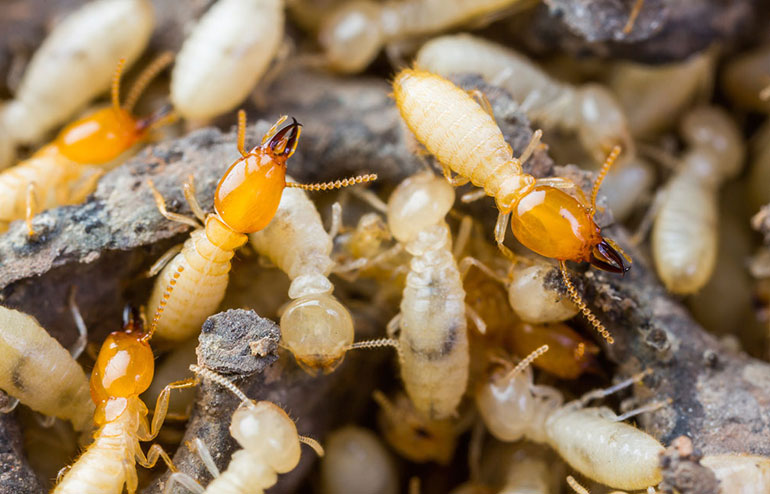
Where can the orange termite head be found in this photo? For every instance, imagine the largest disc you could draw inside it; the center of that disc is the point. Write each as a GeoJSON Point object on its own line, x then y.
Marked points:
{"type": "Point", "coordinates": [123, 369]}
{"type": "Point", "coordinates": [248, 195]}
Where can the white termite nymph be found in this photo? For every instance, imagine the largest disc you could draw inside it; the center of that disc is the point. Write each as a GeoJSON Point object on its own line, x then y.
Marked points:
{"type": "Point", "coordinates": [591, 440]}
{"type": "Point", "coordinates": [356, 461]}
{"type": "Point", "coordinates": [75, 63]}
{"type": "Point", "coordinates": [315, 326]}
{"type": "Point", "coordinates": [40, 373]}
{"type": "Point", "coordinates": [226, 54]}
{"type": "Point", "coordinates": [270, 445]}
{"type": "Point", "coordinates": [684, 236]}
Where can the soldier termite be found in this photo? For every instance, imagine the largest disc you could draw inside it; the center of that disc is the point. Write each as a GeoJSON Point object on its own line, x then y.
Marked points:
{"type": "Point", "coordinates": [270, 445]}
{"type": "Point", "coordinates": [246, 200]}
{"type": "Point", "coordinates": [217, 67]}
{"type": "Point", "coordinates": [354, 33]}
{"type": "Point", "coordinates": [356, 461]}
{"type": "Point", "coordinates": [543, 217]}
{"type": "Point", "coordinates": [123, 370]}
{"type": "Point", "coordinates": [65, 171]}
{"type": "Point", "coordinates": [594, 441]}
{"type": "Point", "coordinates": [684, 235]}
{"type": "Point", "coordinates": [75, 64]}
{"type": "Point", "coordinates": [28, 356]}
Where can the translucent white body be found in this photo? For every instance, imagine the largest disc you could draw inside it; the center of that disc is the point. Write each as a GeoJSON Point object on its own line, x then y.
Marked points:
{"type": "Point", "coordinates": [534, 302]}
{"type": "Point", "coordinates": [354, 33]}
{"type": "Point", "coordinates": [315, 326]}
{"type": "Point", "coordinates": [590, 440]}
{"type": "Point", "coordinates": [625, 186]}
{"type": "Point", "coordinates": [740, 474]}
{"type": "Point", "coordinates": [40, 373]}
{"type": "Point", "coordinates": [225, 55]}
{"type": "Point", "coordinates": [75, 63]}
{"type": "Point", "coordinates": [109, 462]}
{"type": "Point", "coordinates": [433, 338]}
{"type": "Point", "coordinates": [356, 461]}
{"type": "Point", "coordinates": [58, 182]}
{"type": "Point", "coordinates": [199, 275]}
{"type": "Point", "coordinates": [684, 236]}
{"type": "Point", "coordinates": [590, 110]}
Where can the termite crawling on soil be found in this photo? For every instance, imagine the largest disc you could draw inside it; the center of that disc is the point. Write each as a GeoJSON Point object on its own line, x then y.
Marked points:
{"type": "Point", "coordinates": [543, 217]}
{"type": "Point", "coordinates": [192, 285]}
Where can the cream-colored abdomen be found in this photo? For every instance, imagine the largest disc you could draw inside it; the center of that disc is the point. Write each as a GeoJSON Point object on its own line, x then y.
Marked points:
{"type": "Point", "coordinates": [246, 474]}
{"type": "Point", "coordinates": [45, 169]}
{"type": "Point", "coordinates": [198, 290]}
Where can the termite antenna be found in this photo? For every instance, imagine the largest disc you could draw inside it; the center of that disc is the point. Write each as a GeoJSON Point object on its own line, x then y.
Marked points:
{"type": "Point", "coordinates": [115, 88]}
{"type": "Point", "coordinates": [225, 383]}
{"type": "Point", "coordinates": [632, 16]}
{"type": "Point", "coordinates": [579, 489]}
{"type": "Point", "coordinates": [337, 184]}
{"type": "Point", "coordinates": [379, 343]}
{"type": "Point", "coordinates": [319, 450]}
{"type": "Point", "coordinates": [163, 302]}
{"type": "Point", "coordinates": [242, 133]}
{"type": "Point", "coordinates": [148, 74]}
{"type": "Point", "coordinates": [577, 299]}
{"type": "Point", "coordinates": [526, 362]}
{"type": "Point", "coordinates": [608, 162]}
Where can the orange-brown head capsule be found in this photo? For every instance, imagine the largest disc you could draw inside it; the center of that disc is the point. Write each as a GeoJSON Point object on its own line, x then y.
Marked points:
{"type": "Point", "coordinates": [554, 224]}
{"type": "Point", "coordinates": [123, 369]}
{"type": "Point", "coordinates": [569, 354]}
{"type": "Point", "coordinates": [248, 195]}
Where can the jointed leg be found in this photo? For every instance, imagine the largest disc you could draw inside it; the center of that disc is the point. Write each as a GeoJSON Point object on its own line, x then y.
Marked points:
{"type": "Point", "coordinates": [87, 187]}
{"type": "Point", "coordinates": [601, 393]}
{"type": "Point", "coordinates": [185, 481]}
{"type": "Point", "coordinates": [500, 227]}
{"type": "Point", "coordinates": [198, 446]}
{"type": "Point", "coordinates": [482, 100]}
{"type": "Point", "coordinates": [474, 316]}
{"type": "Point", "coordinates": [334, 228]}
{"type": "Point", "coordinates": [465, 265]}
{"type": "Point", "coordinates": [457, 180]}
{"type": "Point", "coordinates": [80, 343]}
{"type": "Point", "coordinates": [472, 196]}
{"type": "Point", "coordinates": [534, 142]}
{"type": "Point", "coordinates": [160, 202]}
{"type": "Point", "coordinates": [161, 408]}
{"type": "Point", "coordinates": [167, 256]}
{"type": "Point", "coordinates": [156, 451]}
{"type": "Point", "coordinates": [463, 235]}
{"type": "Point", "coordinates": [132, 480]}
{"type": "Point", "coordinates": [189, 194]}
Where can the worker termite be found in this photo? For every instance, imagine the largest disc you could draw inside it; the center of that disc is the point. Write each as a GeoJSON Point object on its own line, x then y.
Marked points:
{"type": "Point", "coordinates": [684, 236]}
{"type": "Point", "coordinates": [579, 489]}
{"type": "Point", "coordinates": [744, 474]}
{"type": "Point", "coordinates": [590, 109]}
{"type": "Point", "coordinates": [413, 435]}
{"type": "Point", "coordinates": [356, 461]}
{"type": "Point", "coordinates": [246, 199]}
{"type": "Point", "coordinates": [123, 370]}
{"type": "Point", "coordinates": [39, 372]}
{"type": "Point", "coordinates": [745, 79]}
{"type": "Point", "coordinates": [315, 326]}
{"type": "Point", "coordinates": [594, 441]}
{"type": "Point", "coordinates": [75, 64]}
{"type": "Point", "coordinates": [465, 139]}
{"type": "Point", "coordinates": [270, 445]}
{"type": "Point", "coordinates": [353, 34]}
{"type": "Point", "coordinates": [65, 171]}
{"type": "Point", "coordinates": [217, 67]}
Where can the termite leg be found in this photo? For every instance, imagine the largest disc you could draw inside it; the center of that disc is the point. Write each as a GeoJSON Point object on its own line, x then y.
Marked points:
{"type": "Point", "coordinates": [500, 226]}
{"type": "Point", "coordinates": [648, 219]}
{"type": "Point", "coordinates": [132, 479]}
{"type": "Point", "coordinates": [649, 407]}
{"type": "Point", "coordinates": [472, 196]}
{"type": "Point", "coordinates": [482, 100]}
{"type": "Point", "coordinates": [601, 393]}
{"type": "Point", "coordinates": [160, 202]}
{"type": "Point", "coordinates": [463, 235]}
{"type": "Point", "coordinates": [189, 194]}
{"type": "Point", "coordinates": [533, 144]}
{"type": "Point", "coordinates": [474, 316]}
{"type": "Point", "coordinates": [465, 265]}
{"type": "Point", "coordinates": [370, 198]}
{"type": "Point", "coordinates": [393, 326]}
{"type": "Point", "coordinates": [334, 228]}
{"type": "Point", "coordinates": [205, 455]}
{"type": "Point", "coordinates": [185, 481]}
{"type": "Point", "coordinates": [80, 343]}
{"type": "Point", "coordinates": [632, 16]}
{"type": "Point", "coordinates": [161, 408]}
{"type": "Point", "coordinates": [364, 263]}
{"type": "Point", "coordinates": [11, 405]}
{"type": "Point", "coordinates": [457, 180]}
{"type": "Point", "coordinates": [158, 265]}
{"type": "Point", "coordinates": [31, 208]}
{"type": "Point", "coordinates": [156, 451]}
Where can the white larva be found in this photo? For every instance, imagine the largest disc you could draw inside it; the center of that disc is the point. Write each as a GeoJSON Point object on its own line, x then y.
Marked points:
{"type": "Point", "coordinates": [590, 110]}
{"type": "Point", "coordinates": [591, 440]}
{"type": "Point", "coordinates": [226, 54]}
{"type": "Point", "coordinates": [315, 326]}
{"type": "Point", "coordinates": [353, 34]}
{"type": "Point", "coordinates": [76, 63]}
{"type": "Point", "coordinates": [356, 461]}
{"type": "Point", "coordinates": [684, 236]}
{"type": "Point", "coordinates": [40, 373]}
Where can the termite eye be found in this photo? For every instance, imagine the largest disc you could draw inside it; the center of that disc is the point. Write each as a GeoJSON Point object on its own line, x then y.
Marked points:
{"type": "Point", "coordinates": [284, 142]}
{"type": "Point", "coordinates": [605, 257]}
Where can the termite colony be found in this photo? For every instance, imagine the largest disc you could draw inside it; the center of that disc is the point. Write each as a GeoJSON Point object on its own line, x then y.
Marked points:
{"type": "Point", "coordinates": [442, 352]}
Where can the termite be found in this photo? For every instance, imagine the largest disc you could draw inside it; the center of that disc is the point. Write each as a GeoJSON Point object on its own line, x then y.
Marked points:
{"type": "Point", "coordinates": [522, 468]}
{"type": "Point", "coordinates": [745, 79]}
{"type": "Point", "coordinates": [579, 489]}
{"type": "Point", "coordinates": [123, 370]}
{"type": "Point", "coordinates": [413, 435]}
{"type": "Point", "coordinates": [590, 110]}
{"type": "Point", "coordinates": [224, 56]}
{"type": "Point", "coordinates": [246, 199]}
{"type": "Point", "coordinates": [270, 442]}
{"type": "Point", "coordinates": [354, 33]}
{"type": "Point", "coordinates": [356, 461]}
{"type": "Point", "coordinates": [36, 370]}
{"type": "Point", "coordinates": [570, 354]}
{"type": "Point", "coordinates": [684, 236]}
{"type": "Point", "coordinates": [545, 219]}
{"type": "Point", "coordinates": [593, 441]}
{"type": "Point", "coordinates": [66, 171]}
{"type": "Point", "coordinates": [744, 474]}
{"type": "Point", "coordinates": [315, 326]}
{"type": "Point", "coordinates": [75, 63]}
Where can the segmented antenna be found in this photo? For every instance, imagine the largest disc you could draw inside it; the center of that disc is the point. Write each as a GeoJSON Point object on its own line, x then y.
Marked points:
{"type": "Point", "coordinates": [148, 74]}
{"type": "Point", "coordinates": [242, 133]}
{"type": "Point", "coordinates": [579, 489]}
{"type": "Point", "coordinates": [163, 302]}
{"type": "Point", "coordinates": [222, 381]}
{"type": "Point", "coordinates": [526, 362]}
{"type": "Point", "coordinates": [575, 296]}
{"type": "Point", "coordinates": [608, 162]}
{"type": "Point", "coordinates": [337, 184]}
{"type": "Point", "coordinates": [115, 89]}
